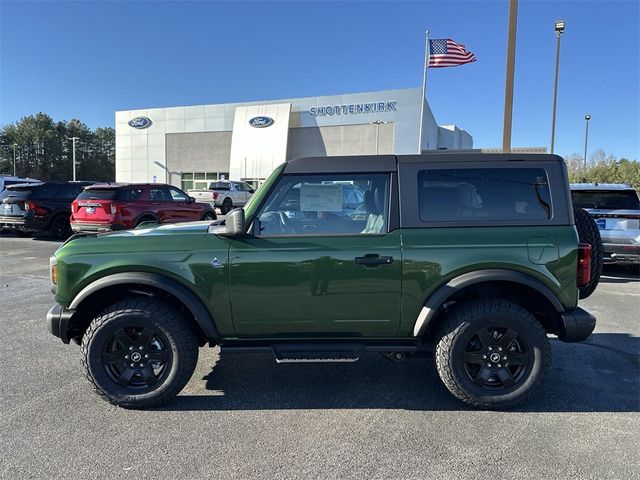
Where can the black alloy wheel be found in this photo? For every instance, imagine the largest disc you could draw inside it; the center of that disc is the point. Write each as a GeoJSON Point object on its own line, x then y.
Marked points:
{"type": "Point", "coordinates": [60, 228]}
{"type": "Point", "coordinates": [139, 352]}
{"type": "Point", "coordinates": [136, 358]}
{"type": "Point", "coordinates": [491, 353]}
{"type": "Point", "coordinates": [497, 358]}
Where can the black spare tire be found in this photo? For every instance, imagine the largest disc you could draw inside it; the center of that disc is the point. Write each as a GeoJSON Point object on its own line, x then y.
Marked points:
{"type": "Point", "coordinates": [588, 233]}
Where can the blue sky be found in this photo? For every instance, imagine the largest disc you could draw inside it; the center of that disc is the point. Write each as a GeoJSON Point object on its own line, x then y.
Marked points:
{"type": "Point", "coordinates": [89, 59]}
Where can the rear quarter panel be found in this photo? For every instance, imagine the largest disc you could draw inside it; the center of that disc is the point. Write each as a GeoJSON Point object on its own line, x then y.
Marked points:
{"type": "Point", "coordinates": [433, 256]}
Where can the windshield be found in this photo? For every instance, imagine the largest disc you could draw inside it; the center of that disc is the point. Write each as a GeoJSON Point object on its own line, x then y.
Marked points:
{"type": "Point", "coordinates": [606, 199]}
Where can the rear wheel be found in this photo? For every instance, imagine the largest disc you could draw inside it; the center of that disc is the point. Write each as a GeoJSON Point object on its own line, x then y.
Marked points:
{"type": "Point", "coordinates": [588, 233]}
{"type": "Point", "coordinates": [145, 220]}
{"type": "Point", "coordinates": [60, 228]}
{"type": "Point", "coordinates": [492, 353]}
{"type": "Point", "coordinates": [227, 206]}
{"type": "Point", "coordinates": [139, 353]}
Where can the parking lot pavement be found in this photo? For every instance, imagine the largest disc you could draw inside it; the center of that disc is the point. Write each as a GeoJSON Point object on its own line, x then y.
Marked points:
{"type": "Point", "coordinates": [244, 416]}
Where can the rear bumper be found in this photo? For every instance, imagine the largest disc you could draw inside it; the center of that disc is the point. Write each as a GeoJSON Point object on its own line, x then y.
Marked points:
{"type": "Point", "coordinates": [577, 325]}
{"type": "Point", "coordinates": [615, 253]}
{"type": "Point", "coordinates": [58, 320]}
{"type": "Point", "coordinates": [81, 227]}
{"type": "Point", "coordinates": [12, 222]}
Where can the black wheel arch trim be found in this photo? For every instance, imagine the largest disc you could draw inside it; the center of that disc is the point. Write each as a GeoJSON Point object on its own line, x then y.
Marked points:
{"type": "Point", "coordinates": [193, 303]}
{"type": "Point", "coordinates": [445, 291]}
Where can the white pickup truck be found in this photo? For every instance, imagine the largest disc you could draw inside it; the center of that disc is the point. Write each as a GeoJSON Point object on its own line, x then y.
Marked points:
{"type": "Point", "coordinates": [224, 194]}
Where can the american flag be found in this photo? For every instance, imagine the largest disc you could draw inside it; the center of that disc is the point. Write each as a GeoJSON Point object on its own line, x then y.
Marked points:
{"type": "Point", "coordinates": [447, 53]}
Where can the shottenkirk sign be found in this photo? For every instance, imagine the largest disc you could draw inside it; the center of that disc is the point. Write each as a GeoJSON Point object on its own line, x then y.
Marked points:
{"type": "Point", "coordinates": [353, 108]}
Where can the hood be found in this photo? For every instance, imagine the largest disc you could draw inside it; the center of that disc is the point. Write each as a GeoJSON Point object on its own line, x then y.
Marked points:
{"type": "Point", "coordinates": [186, 228]}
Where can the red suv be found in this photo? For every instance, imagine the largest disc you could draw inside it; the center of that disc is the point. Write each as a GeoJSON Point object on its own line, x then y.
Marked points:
{"type": "Point", "coordinates": [121, 206]}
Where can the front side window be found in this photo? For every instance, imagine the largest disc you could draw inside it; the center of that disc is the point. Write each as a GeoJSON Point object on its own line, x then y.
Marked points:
{"type": "Point", "coordinates": [343, 204]}
{"type": "Point", "coordinates": [476, 195]}
{"type": "Point", "coordinates": [159, 195]}
{"type": "Point", "coordinates": [178, 196]}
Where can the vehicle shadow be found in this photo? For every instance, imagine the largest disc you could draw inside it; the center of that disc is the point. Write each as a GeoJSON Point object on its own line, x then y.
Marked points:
{"type": "Point", "coordinates": [599, 376]}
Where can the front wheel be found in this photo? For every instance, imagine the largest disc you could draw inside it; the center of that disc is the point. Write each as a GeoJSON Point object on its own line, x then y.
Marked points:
{"type": "Point", "coordinates": [209, 216]}
{"type": "Point", "coordinates": [139, 353]}
{"type": "Point", "coordinates": [492, 353]}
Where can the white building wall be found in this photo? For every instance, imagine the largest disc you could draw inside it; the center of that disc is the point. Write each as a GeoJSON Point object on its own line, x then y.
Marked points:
{"type": "Point", "coordinates": [141, 153]}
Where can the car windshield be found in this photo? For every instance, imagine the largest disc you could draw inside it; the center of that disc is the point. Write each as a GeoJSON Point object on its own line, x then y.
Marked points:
{"type": "Point", "coordinates": [606, 199]}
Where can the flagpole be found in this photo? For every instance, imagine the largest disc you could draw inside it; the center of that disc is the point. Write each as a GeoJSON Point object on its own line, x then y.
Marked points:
{"type": "Point", "coordinates": [424, 90]}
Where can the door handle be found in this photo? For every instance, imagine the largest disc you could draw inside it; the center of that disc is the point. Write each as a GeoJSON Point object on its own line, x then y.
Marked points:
{"type": "Point", "coordinates": [373, 260]}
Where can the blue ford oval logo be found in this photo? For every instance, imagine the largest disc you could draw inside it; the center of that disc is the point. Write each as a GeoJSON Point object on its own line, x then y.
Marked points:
{"type": "Point", "coordinates": [261, 122]}
{"type": "Point", "coordinates": [140, 122]}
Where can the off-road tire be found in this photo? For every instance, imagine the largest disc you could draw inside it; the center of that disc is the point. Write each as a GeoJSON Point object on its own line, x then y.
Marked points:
{"type": "Point", "coordinates": [158, 315]}
{"type": "Point", "coordinates": [227, 206]}
{"type": "Point", "coordinates": [588, 233]}
{"type": "Point", "coordinates": [459, 327]}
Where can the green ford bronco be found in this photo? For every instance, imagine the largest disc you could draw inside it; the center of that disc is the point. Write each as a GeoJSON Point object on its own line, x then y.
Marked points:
{"type": "Point", "coordinates": [473, 258]}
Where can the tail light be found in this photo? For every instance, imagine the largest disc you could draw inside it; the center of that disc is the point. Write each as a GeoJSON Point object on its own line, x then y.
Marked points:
{"type": "Point", "coordinates": [116, 209]}
{"type": "Point", "coordinates": [584, 264]}
{"type": "Point", "coordinates": [39, 211]}
{"type": "Point", "coordinates": [215, 195]}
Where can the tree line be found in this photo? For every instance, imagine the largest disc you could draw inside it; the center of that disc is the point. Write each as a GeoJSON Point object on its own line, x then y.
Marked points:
{"type": "Point", "coordinates": [43, 149]}
{"type": "Point", "coordinates": [603, 168]}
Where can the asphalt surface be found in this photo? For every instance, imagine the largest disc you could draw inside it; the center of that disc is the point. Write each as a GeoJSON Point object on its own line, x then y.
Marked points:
{"type": "Point", "coordinates": [243, 416]}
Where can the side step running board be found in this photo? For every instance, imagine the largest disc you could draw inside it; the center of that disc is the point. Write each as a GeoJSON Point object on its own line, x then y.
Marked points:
{"type": "Point", "coordinates": [306, 353]}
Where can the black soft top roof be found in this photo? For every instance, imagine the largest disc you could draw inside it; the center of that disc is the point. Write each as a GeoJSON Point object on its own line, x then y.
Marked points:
{"type": "Point", "coordinates": [389, 163]}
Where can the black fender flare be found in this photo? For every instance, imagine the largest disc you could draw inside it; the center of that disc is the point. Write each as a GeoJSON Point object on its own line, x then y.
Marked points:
{"type": "Point", "coordinates": [440, 296]}
{"type": "Point", "coordinates": [190, 300]}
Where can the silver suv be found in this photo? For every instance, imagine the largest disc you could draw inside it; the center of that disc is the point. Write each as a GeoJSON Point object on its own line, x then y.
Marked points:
{"type": "Point", "coordinates": [616, 209]}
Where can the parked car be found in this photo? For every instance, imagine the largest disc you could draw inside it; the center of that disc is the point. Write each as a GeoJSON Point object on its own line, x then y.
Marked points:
{"type": "Point", "coordinates": [224, 194]}
{"type": "Point", "coordinates": [616, 210]}
{"type": "Point", "coordinates": [480, 264]}
{"type": "Point", "coordinates": [121, 206]}
{"type": "Point", "coordinates": [36, 207]}
{"type": "Point", "coordinates": [6, 180]}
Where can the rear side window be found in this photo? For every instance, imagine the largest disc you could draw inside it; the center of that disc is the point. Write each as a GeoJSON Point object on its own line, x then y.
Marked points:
{"type": "Point", "coordinates": [44, 192]}
{"type": "Point", "coordinates": [95, 194]}
{"type": "Point", "coordinates": [606, 199]}
{"type": "Point", "coordinates": [68, 192]}
{"type": "Point", "coordinates": [128, 194]}
{"type": "Point", "coordinates": [475, 195]}
{"type": "Point", "coordinates": [219, 186]}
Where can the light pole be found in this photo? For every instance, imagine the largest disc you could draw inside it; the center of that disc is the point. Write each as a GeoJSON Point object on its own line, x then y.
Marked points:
{"type": "Point", "coordinates": [587, 117]}
{"type": "Point", "coordinates": [73, 139]}
{"type": "Point", "coordinates": [511, 64]}
{"type": "Point", "coordinates": [559, 31]}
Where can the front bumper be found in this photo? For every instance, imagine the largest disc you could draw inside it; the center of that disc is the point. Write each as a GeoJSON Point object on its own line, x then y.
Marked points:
{"type": "Point", "coordinates": [577, 325]}
{"type": "Point", "coordinates": [58, 321]}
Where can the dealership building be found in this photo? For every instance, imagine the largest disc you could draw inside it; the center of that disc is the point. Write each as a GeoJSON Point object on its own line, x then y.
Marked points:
{"type": "Point", "coordinates": [190, 146]}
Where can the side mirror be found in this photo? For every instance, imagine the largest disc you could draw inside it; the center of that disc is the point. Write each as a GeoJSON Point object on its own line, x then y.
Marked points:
{"type": "Point", "coordinates": [234, 223]}
{"type": "Point", "coordinates": [192, 199]}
